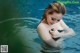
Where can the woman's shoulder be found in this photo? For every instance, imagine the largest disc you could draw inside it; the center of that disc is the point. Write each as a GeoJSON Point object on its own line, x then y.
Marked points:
{"type": "Point", "coordinates": [41, 26]}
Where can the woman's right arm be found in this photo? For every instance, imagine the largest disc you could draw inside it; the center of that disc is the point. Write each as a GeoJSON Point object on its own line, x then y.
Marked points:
{"type": "Point", "coordinates": [45, 35]}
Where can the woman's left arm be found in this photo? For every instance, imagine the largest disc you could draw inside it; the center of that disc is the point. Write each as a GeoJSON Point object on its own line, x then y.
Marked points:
{"type": "Point", "coordinates": [68, 31]}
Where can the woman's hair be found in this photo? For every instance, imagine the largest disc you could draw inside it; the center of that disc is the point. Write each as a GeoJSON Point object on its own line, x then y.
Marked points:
{"type": "Point", "coordinates": [54, 7]}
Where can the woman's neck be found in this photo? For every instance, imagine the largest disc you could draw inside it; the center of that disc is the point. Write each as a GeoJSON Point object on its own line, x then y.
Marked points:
{"type": "Point", "coordinates": [45, 22]}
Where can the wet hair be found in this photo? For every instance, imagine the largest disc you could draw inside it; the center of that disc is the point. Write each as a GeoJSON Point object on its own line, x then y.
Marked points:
{"type": "Point", "coordinates": [54, 7]}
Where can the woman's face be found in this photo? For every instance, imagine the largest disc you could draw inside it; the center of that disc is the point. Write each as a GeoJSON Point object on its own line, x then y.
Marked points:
{"type": "Point", "coordinates": [54, 18]}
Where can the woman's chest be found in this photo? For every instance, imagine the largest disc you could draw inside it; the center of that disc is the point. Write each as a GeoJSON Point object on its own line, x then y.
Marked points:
{"type": "Point", "coordinates": [56, 26]}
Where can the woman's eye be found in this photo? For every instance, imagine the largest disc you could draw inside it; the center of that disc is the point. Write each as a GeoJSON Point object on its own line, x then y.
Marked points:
{"type": "Point", "coordinates": [58, 20]}
{"type": "Point", "coordinates": [52, 18]}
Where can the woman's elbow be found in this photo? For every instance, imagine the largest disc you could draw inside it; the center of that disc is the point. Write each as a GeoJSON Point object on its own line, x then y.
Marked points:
{"type": "Point", "coordinates": [48, 40]}
{"type": "Point", "coordinates": [72, 32]}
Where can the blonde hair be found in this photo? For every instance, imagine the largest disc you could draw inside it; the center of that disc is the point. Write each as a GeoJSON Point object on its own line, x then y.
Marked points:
{"type": "Point", "coordinates": [54, 7]}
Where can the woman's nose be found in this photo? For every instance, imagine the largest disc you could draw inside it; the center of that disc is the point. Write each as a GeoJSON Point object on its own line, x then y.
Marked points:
{"type": "Point", "coordinates": [54, 22]}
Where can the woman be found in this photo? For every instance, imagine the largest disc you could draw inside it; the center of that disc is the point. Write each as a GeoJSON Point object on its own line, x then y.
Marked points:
{"type": "Point", "coordinates": [52, 29]}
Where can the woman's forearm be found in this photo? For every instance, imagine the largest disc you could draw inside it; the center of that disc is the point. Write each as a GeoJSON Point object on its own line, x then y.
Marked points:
{"type": "Point", "coordinates": [67, 34]}
{"type": "Point", "coordinates": [52, 43]}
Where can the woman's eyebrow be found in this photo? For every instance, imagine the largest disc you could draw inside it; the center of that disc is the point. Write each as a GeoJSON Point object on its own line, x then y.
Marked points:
{"type": "Point", "coordinates": [55, 18]}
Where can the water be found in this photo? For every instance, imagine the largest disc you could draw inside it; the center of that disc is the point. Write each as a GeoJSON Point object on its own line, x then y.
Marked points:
{"type": "Point", "coordinates": [18, 29]}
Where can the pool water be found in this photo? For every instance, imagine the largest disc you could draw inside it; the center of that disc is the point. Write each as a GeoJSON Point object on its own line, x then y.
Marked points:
{"type": "Point", "coordinates": [20, 32]}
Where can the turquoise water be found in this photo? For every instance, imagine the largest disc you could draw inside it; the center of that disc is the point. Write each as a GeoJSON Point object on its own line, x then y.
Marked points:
{"type": "Point", "coordinates": [18, 26]}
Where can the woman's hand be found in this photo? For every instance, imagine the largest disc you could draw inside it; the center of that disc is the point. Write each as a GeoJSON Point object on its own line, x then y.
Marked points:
{"type": "Point", "coordinates": [55, 33]}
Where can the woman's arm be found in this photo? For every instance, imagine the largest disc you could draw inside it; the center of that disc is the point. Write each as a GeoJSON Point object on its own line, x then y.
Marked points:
{"type": "Point", "coordinates": [46, 37]}
{"type": "Point", "coordinates": [67, 31]}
